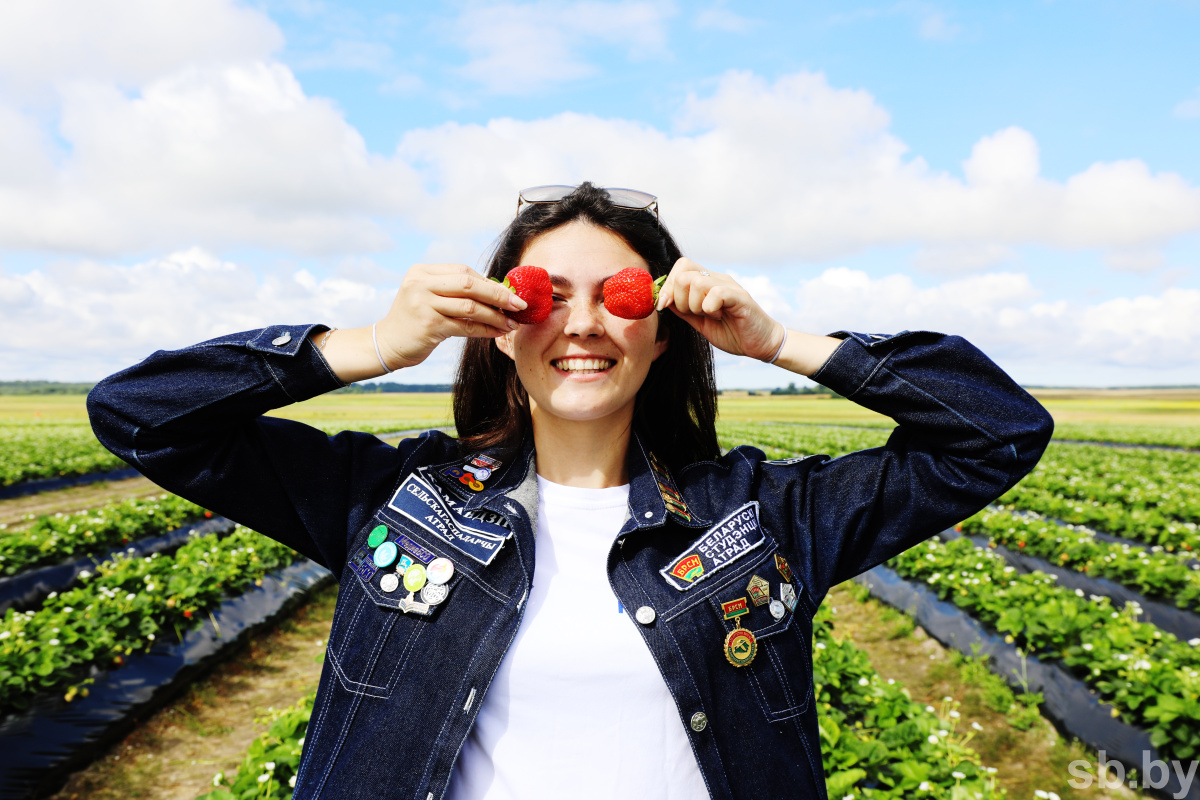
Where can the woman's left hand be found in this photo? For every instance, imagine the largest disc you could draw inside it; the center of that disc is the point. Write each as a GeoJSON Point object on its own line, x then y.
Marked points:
{"type": "Point", "coordinates": [721, 310]}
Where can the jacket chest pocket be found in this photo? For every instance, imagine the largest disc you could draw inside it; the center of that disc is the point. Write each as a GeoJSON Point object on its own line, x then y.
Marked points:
{"type": "Point", "coordinates": [780, 673]}
{"type": "Point", "coordinates": [380, 619]}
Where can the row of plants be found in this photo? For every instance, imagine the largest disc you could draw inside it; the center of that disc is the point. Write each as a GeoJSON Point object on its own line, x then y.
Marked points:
{"type": "Point", "coordinates": [124, 607]}
{"type": "Point", "coordinates": [1152, 496]}
{"type": "Point", "coordinates": [55, 538]}
{"type": "Point", "coordinates": [1172, 577]}
{"type": "Point", "coordinates": [1167, 435]}
{"type": "Point", "coordinates": [1151, 487]}
{"type": "Point", "coordinates": [1149, 676]}
{"type": "Point", "coordinates": [36, 450]}
{"type": "Point", "coordinates": [786, 441]}
{"type": "Point", "coordinates": [33, 450]}
{"type": "Point", "coordinates": [876, 741]}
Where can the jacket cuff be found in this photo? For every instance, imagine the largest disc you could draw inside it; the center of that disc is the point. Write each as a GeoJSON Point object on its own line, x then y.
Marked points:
{"type": "Point", "coordinates": [297, 365]}
{"type": "Point", "coordinates": [859, 355]}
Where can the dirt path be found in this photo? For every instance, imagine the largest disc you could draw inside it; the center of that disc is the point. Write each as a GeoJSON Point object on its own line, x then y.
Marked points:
{"type": "Point", "coordinates": [15, 510]}
{"type": "Point", "coordinates": [174, 754]}
{"type": "Point", "coordinates": [1026, 761]}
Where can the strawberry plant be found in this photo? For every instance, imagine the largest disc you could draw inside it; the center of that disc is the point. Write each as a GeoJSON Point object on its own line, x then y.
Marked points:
{"type": "Point", "coordinates": [1151, 571]}
{"type": "Point", "coordinates": [123, 608]}
{"type": "Point", "coordinates": [29, 451]}
{"type": "Point", "coordinates": [1132, 665]}
{"type": "Point", "coordinates": [52, 539]}
{"type": "Point", "coordinates": [269, 767]}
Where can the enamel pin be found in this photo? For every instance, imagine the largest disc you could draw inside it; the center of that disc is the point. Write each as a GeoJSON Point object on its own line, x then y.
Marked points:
{"type": "Point", "coordinates": [759, 590]}
{"type": "Point", "coordinates": [783, 568]}
{"type": "Point", "coordinates": [740, 644]}
{"type": "Point", "coordinates": [788, 595]}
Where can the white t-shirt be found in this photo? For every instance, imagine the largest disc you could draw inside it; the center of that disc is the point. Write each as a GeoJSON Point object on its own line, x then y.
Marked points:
{"type": "Point", "coordinates": [578, 708]}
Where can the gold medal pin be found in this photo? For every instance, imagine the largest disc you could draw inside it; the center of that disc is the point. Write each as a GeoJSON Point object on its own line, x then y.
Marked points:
{"type": "Point", "coordinates": [740, 644]}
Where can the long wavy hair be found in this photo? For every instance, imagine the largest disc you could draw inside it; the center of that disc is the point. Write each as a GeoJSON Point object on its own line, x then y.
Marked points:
{"type": "Point", "coordinates": [676, 407]}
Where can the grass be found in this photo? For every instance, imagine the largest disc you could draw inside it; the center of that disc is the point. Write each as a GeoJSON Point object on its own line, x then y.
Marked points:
{"type": "Point", "coordinates": [1166, 407]}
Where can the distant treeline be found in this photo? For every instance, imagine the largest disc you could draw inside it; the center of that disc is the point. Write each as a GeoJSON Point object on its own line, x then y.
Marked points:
{"type": "Point", "coordinates": [44, 387]}
{"type": "Point", "coordinates": [394, 388]}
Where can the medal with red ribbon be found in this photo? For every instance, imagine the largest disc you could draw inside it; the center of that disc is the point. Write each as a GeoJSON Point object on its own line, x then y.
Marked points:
{"type": "Point", "coordinates": [740, 644]}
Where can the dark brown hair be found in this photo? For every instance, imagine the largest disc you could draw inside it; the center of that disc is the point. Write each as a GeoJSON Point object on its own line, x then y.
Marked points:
{"type": "Point", "coordinates": [676, 406]}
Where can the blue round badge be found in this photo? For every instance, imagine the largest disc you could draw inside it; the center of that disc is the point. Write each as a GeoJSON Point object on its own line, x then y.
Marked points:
{"type": "Point", "coordinates": [385, 554]}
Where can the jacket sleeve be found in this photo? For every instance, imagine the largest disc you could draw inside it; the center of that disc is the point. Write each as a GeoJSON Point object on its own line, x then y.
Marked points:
{"type": "Point", "coordinates": [966, 433]}
{"type": "Point", "coordinates": [192, 421]}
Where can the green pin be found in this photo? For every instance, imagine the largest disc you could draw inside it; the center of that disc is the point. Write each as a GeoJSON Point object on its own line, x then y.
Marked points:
{"type": "Point", "coordinates": [377, 536]}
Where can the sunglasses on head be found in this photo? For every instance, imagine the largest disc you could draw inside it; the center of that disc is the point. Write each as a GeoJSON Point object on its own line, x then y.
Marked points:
{"type": "Point", "coordinates": [622, 198]}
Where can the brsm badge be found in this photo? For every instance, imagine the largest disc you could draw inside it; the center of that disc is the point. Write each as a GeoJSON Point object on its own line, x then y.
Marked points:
{"type": "Point", "coordinates": [689, 568]}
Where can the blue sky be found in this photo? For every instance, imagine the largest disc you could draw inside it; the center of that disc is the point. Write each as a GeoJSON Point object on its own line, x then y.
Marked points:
{"type": "Point", "coordinates": [1026, 174]}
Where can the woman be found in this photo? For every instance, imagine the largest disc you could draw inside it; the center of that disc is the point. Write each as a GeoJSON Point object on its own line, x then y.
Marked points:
{"type": "Point", "coordinates": [580, 596]}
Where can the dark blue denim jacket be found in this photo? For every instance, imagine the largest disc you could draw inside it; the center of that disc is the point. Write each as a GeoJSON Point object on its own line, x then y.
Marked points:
{"type": "Point", "coordinates": [399, 691]}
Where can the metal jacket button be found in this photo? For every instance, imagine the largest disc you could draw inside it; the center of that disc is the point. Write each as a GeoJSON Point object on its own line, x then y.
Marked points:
{"type": "Point", "coordinates": [645, 615]}
{"type": "Point", "coordinates": [281, 340]}
{"type": "Point", "coordinates": [699, 721]}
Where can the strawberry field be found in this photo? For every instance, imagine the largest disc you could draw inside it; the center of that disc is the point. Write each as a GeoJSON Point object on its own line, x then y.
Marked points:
{"type": "Point", "coordinates": [1069, 569]}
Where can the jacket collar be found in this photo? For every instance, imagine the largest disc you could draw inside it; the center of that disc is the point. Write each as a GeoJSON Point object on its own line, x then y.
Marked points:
{"type": "Point", "coordinates": [654, 495]}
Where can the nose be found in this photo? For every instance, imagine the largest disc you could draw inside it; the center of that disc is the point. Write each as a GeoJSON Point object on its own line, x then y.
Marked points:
{"type": "Point", "coordinates": [585, 319]}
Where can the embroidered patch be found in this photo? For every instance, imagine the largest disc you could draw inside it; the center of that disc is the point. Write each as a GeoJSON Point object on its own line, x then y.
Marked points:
{"type": "Point", "coordinates": [422, 504]}
{"type": "Point", "coordinates": [666, 487]}
{"type": "Point", "coordinates": [720, 546]}
{"type": "Point", "coordinates": [481, 519]}
{"type": "Point", "coordinates": [689, 568]}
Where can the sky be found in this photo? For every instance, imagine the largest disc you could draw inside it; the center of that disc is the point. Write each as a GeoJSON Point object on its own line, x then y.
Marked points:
{"type": "Point", "coordinates": [1024, 174]}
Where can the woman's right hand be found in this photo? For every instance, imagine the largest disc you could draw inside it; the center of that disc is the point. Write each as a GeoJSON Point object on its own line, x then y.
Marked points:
{"type": "Point", "coordinates": [435, 302]}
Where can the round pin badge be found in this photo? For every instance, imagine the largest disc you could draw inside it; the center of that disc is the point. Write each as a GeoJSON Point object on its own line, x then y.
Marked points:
{"type": "Point", "coordinates": [777, 609]}
{"type": "Point", "coordinates": [740, 647]}
{"type": "Point", "coordinates": [385, 554]}
{"type": "Point", "coordinates": [390, 582]}
{"type": "Point", "coordinates": [414, 577]}
{"type": "Point", "coordinates": [377, 536]}
{"type": "Point", "coordinates": [434, 593]}
{"type": "Point", "coordinates": [440, 570]}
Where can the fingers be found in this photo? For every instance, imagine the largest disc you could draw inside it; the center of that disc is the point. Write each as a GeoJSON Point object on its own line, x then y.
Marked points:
{"type": "Point", "coordinates": [471, 329]}
{"type": "Point", "coordinates": [466, 309]}
{"type": "Point", "coordinates": [459, 280]}
{"type": "Point", "coordinates": [690, 289]}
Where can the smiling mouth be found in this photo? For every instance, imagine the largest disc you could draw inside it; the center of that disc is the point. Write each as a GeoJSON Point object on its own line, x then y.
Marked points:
{"type": "Point", "coordinates": [585, 366]}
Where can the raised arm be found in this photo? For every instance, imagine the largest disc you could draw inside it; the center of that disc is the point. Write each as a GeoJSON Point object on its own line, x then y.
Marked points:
{"type": "Point", "coordinates": [966, 431]}
{"type": "Point", "coordinates": [192, 420]}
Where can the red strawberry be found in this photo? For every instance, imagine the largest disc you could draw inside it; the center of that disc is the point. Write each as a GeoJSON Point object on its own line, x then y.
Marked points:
{"type": "Point", "coordinates": [531, 284]}
{"type": "Point", "coordinates": [632, 293]}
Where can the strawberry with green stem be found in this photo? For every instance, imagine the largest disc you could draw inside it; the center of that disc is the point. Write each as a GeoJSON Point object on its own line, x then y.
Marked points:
{"type": "Point", "coordinates": [531, 284]}
{"type": "Point", "coordinates": [632, 293]}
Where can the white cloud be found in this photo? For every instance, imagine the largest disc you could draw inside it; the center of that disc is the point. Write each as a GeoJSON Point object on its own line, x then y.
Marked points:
{"type": "Point", "coordinates": [82, 320]}
{"type": "Point", "coordinates": [1140, 261]}
{"type": "Point", "coordinates": [771, 173]}
{"type": "Point", "coordinates": [223, 155]}
{"type": "Point", "coordinates": [46, 43]}
{"type": "Point", "coordinates": [951, 259]}
{"type": "Point", "coordinates": [1003, 315]}
{"type": "Point", "coordinates": [1189, 108]}
{"type": "Point", "coordinates": [522, 48]}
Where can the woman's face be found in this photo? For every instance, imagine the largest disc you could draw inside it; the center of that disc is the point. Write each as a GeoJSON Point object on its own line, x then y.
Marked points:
{"type": "Point", "coordinates": [583, 363]}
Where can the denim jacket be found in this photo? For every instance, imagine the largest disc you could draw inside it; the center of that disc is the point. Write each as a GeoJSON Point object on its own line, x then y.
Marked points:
{"type": "Point", "coordinates": [401, 684]}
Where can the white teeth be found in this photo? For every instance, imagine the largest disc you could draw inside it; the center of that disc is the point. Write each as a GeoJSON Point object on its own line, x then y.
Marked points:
{"type": "Point", "coordinates": [583, 364]}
